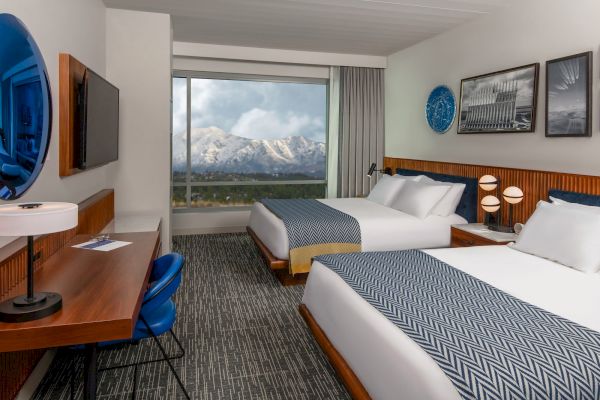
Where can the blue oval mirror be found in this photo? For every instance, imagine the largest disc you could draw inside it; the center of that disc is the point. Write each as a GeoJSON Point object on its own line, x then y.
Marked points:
{"type": "Point", "coordinates": [25, 109]}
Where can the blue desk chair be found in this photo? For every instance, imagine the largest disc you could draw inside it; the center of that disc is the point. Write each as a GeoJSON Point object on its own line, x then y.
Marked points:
{"type": "Point", "coordinates": [157, 316]}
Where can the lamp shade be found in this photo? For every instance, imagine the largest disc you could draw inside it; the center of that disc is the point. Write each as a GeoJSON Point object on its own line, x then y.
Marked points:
{"type": "Point", "coordinates": [37, 218]}
{"type": "Point", "coordinates": [490, 204]}
{"type": "Point", "coordinates": [512, 195]}
{"type": "Point", "coordinates": [488, 182]}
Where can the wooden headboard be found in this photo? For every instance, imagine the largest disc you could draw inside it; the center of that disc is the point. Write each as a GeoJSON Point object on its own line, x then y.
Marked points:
{"type": "Point", "coordinates": [535, 184]}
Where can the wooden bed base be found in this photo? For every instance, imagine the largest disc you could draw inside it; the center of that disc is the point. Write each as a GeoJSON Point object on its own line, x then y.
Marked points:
{"type": "Point", "coordinates": [350, 380]}
{"type": "Point", "coordinates": [279, 267]}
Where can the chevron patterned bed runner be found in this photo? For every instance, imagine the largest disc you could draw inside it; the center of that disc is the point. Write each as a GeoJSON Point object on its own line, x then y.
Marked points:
{"type": "Point", "coordinates": [314, 228]}
{"type": "Point", "coordinates": [490, 344]}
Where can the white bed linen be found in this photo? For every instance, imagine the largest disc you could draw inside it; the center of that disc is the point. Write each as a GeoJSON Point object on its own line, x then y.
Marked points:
{"type": "Point", "coordinates": [381, 228]}
{"type": "Point", "coordinates": [392, 366]}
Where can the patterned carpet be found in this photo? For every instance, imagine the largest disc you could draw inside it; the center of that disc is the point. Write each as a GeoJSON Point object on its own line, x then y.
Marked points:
{"type": "Point", "coordinates": [241, 329]}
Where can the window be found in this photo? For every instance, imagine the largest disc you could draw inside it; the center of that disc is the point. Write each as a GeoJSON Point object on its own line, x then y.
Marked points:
{"type": "Point", "coordinates": [238, 139]}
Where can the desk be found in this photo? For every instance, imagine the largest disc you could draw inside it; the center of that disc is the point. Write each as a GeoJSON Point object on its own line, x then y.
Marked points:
{"type": "Point", "coordinates": [133, 223]}
{"type": "Point", "coordinates": [102, 294]}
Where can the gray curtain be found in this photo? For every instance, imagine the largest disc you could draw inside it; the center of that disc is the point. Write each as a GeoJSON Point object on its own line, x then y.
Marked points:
{"type": "Point", "coordinates": [361, 129]}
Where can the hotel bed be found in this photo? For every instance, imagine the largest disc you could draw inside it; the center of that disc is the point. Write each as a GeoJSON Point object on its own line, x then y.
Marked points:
{"type": "Point", "coordinates": [387, 362]}
{"type": "Point", "coordinates": [378, 360]}
{"type": "Point", "coordinates": [381, 227]}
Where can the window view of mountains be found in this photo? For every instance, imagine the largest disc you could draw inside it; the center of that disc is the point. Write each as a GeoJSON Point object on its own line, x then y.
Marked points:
{"type": "Point", "coordinates": [216, 154]}
{"type": "Point", "coordinates": [248, 140]}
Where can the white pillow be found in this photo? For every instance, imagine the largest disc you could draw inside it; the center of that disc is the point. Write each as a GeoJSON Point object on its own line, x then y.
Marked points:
{"type": "Point", "coordinates": [582, 207]}
{"type": "Point", "coordinates": [566, 235]}
{"type": "Point", "coordinates": [419, 198]}
{"type": "Point", "coordinates": [424, 178]}
{"type": "Point", "coordinates": [448, 204]}
{"type": "Point", "coordinates": [386, 190]}
{"type": "Point", "coordinates": [416, 178]}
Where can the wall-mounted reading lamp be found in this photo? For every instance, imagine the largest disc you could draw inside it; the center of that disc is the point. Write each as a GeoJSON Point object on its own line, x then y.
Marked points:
{"type": "Point", "coordinates": [373, 168]}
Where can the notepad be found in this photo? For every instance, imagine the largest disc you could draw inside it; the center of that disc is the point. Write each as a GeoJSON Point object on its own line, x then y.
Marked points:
{"type": "Point", "coordinates": [102, 245]}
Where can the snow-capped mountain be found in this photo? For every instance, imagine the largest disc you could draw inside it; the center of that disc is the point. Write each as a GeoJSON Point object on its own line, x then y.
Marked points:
{"type": "Point", "coordinates": [214, 150]}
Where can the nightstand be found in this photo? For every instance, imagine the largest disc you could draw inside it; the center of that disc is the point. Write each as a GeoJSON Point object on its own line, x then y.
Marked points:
{"type": "Point", "coordinates": [467, 235]}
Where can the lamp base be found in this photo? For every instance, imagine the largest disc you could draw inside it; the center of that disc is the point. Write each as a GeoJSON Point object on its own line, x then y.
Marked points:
{"type": "Point", "coordinates": [501, 228]}
{"type": "Point", "coordinates": [22, 309]}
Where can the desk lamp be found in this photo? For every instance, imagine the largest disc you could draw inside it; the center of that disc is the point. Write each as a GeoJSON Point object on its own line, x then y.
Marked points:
{"type": "Point", "coordinates": [28, 220]}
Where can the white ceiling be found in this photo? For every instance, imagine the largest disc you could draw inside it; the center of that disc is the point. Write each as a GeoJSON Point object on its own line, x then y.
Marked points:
{"type": "Point", "coordinates": [376, 27]}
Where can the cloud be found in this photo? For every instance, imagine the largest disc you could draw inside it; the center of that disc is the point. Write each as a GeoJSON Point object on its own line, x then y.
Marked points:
{"type": "Point", "coordinates": [252, 108]}
{"type": "Point", "coordinates": [179, 105]}
{"type": "Point", "coordinates": [262, 124]}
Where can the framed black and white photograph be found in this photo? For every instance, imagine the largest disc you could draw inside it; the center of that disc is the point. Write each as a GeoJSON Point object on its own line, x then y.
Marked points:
{"type": "Point", "coordinates": [568, 96]}
{"type": "Point", "coordinates": [500, 102]}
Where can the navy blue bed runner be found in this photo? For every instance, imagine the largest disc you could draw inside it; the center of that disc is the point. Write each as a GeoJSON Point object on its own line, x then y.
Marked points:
{"type": "Point", "coordinates": [314, 228]}
{"type": "Point", "coordinates": [490, 344]}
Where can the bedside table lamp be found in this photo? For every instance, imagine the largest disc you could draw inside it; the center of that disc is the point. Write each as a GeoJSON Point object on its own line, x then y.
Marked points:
{"type": "Point", "coordinates": [28, 220]}
{"type": "Point", "coordinates": [490, 204]}
{"type": "Point", "coordinates": [512, 195]}
{"type": "Point", "coordinates": [488, 183]}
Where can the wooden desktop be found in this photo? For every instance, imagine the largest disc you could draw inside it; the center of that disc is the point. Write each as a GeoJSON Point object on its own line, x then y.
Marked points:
{"type": "Point", "coordinates": [102, 293]}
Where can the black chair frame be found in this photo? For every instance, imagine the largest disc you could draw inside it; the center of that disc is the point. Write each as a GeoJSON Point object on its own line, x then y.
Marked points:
{"type": "Point", "coordinates": [165, 357]}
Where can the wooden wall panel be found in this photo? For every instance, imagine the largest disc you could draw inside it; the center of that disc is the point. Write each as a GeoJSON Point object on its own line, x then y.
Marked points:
{"type": "Point", "coordinates": [94, 214]}
{"type": "Point", "coordinates": [70, 75]}
{"type": "Point", "coordinates": [535, 184]}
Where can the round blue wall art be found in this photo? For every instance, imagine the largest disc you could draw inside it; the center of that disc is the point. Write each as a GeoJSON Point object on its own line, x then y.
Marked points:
{"type": "Point", "coordinates": [441, 109]}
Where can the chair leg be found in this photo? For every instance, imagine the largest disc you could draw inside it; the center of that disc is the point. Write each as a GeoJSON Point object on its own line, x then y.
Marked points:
{"type": "Point", "coordinates": [177, 356]}
{"type": "Point", "coordinates": [166, 358]}
{"type": "Point", "coordinates": [135, 378]}
{"type": "Point", "coordinates": [72, 377]}
{"type": "Point", "coordinates": [181, 349]}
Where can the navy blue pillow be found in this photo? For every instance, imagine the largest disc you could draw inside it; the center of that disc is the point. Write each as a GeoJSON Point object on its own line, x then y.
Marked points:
{"type": "Point", "coordinates": [467, 208]}
{"type": "Point", "coordinates": [574, 197]}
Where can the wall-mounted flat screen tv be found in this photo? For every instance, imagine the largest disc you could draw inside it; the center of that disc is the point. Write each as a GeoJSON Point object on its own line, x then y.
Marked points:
{"type": "Point", "coordinates": [98, 142]}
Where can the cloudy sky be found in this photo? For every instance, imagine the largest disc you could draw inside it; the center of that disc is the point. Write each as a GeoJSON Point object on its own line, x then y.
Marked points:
{"type": "Point", "coordinates": [257, 110]}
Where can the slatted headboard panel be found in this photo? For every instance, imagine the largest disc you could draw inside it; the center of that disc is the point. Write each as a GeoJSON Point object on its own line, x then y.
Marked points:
{"type": "Point", "coordinates": [535, 184]}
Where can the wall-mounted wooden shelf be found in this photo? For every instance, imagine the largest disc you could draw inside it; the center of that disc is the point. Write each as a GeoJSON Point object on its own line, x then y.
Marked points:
{"type": "Point", "coordinates": [70, 73]}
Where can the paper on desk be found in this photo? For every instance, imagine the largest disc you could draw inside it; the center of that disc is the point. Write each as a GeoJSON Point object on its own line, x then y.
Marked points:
{"type": "Point", "coordinates": [102, 245]}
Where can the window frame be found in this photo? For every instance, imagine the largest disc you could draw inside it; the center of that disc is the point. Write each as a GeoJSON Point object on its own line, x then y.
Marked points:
{"type": "Point", "coordinates": [188, 184]}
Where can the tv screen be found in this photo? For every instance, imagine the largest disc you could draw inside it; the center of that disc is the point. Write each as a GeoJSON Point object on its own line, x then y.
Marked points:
{"type": "Point", "coordinates": [99, 121]}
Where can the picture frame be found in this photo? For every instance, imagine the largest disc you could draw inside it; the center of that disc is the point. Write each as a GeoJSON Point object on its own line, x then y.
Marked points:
{"type": "Point", "coordinates": [500, 102]}
{"type": "Point", "coordinates": [569, 96]}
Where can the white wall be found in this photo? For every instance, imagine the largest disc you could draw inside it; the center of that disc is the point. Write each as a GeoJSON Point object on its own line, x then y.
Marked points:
{"type": "Point", "coordinates": [186, 223]}
{"type": "Point", "coordinates": [70, 26]}
{"type": "Point", "coordinates": [221, 52]}
{"type": "Point", "coordinates": [250, 67]}
{"type": "Point", "coordinates": [535, 31]}
{"type": "Point", "coordinates": [138, 59]}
